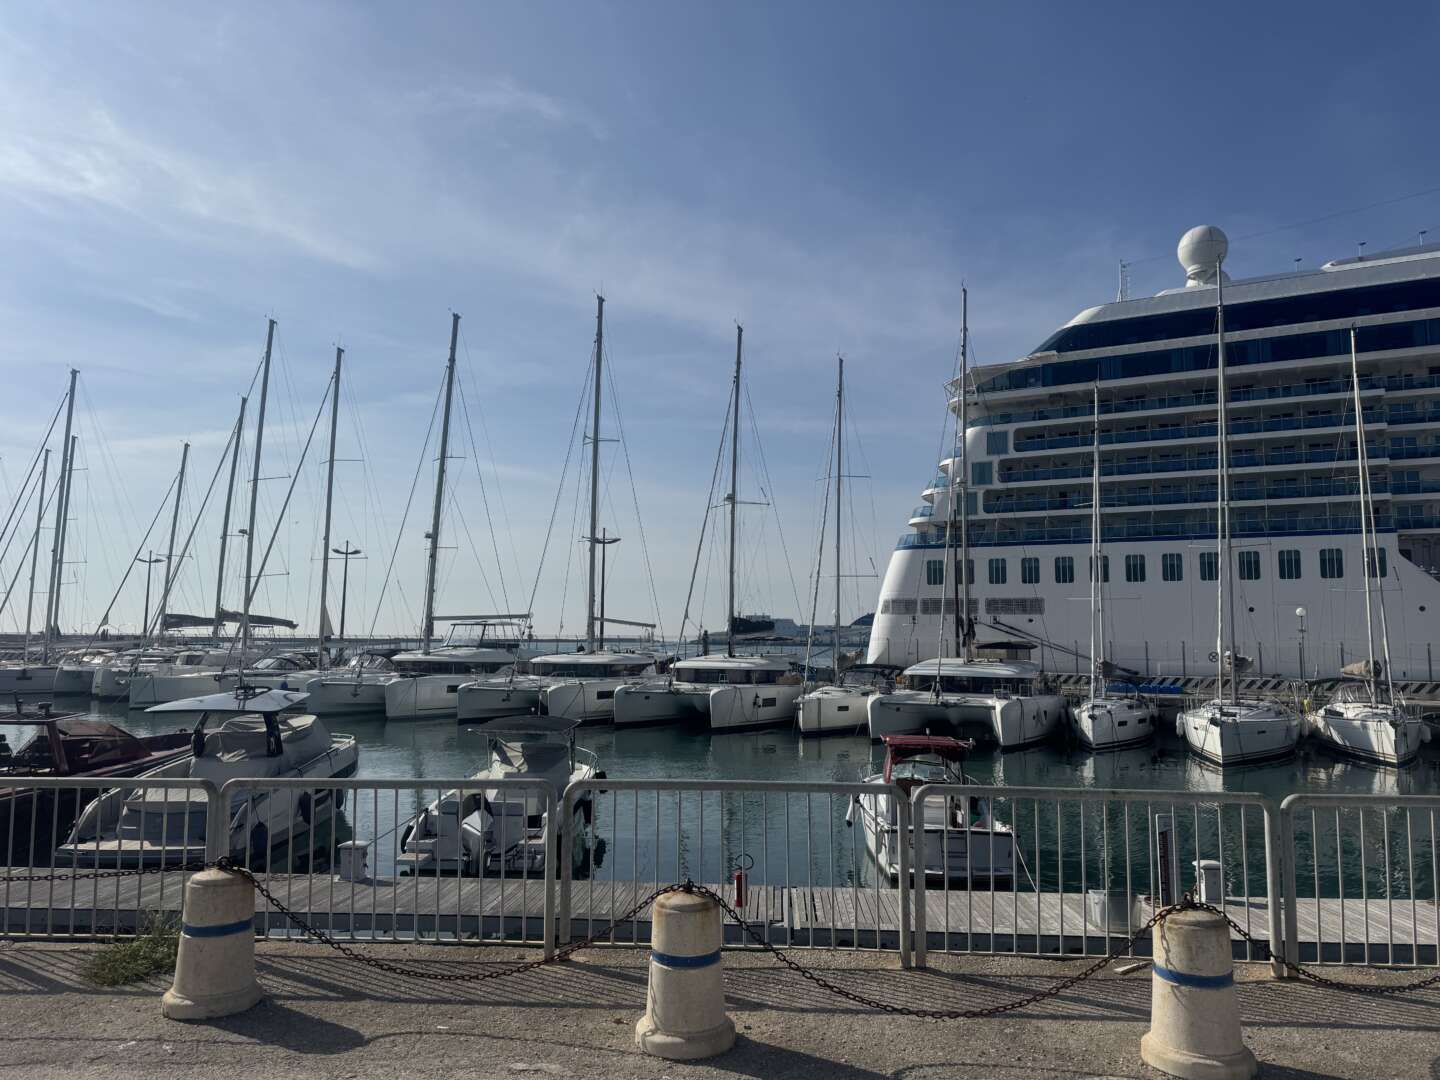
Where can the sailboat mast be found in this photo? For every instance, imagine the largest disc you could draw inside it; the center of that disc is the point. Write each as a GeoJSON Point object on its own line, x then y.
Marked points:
{"type": "Point", "coordinates": [35, 549]}
{"type": "Point", "coordinates": [595, 473]}
{"type": "Point", "coordinates": [329, 502]}
{"type": "Point", "coordinates": [962, 612]}
{"type": "Point", "coordinates": [57, 540]}
{"type": "Point", "coordinates": [1225, 592]}
{"type": "Point", "coordinates": [427, 631]}
{"type": "Point", "coordinates": [255, 493]}
{"type": "Point", "coordinates": [170, 569]}
{"type": "Point", "coordinates": [839, 461]}
{"type": "Point", "coordinates": [1097, 594]}
{"type": "Point", "coordinates": [734, 494]}
{"type": "Point", "coordinates": [1369, 541]}
{"type": "Point", "coordinates": [225, 522]}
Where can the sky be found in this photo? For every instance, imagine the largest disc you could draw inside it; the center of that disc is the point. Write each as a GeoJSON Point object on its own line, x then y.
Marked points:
{"type": "Point", "coordinates": [825, 174]}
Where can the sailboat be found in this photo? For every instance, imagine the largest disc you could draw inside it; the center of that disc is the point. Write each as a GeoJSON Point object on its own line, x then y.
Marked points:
{"type": "Point", "coordinates": [730, 692]}
{"type": "Point", "coordinates": [579, 685]}
{"type": "Point", "coordinates": [427, 681]}
{"type": "Point", "coordinates": [1229, 730]}
{"type": "Point", "coordinates": [1106, 721]}
{"type": "Point", "coordinates": [1011, 702]}
{"type": "Point", "coordinates": [840, 707]}
{"type": "Point", "coordinates": [1364, 718]}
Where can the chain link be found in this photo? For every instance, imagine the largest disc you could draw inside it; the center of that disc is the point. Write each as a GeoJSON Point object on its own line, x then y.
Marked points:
{"type": "Point", "coordinates": [1187, 903]}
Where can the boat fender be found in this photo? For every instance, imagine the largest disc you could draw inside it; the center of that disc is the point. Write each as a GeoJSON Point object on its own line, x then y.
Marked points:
{"type": "Point", "coordinates": [850, 810]}
{"type": "Point", "coordinates": [600, 775]}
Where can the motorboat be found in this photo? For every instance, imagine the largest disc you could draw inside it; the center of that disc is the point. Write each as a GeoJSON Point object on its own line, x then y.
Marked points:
{"type": "Point", "coordinates": [259, 699]}
{"type": "Point", "coordinates": [427, 684]}
{"type": "Point", "coordinates": [582, 686]}
{"type": "Point", "coordinates": [843, 708]}
{"type": "Point", "coordinates": [243, 736]}
{"type": "Point", "coordinates": [1011, 702]}
{"type": "Point", "coordinates": [357, 687]}
{"type": "Point", "coordinates": [75, 676]}
{"type": "Point", "coordinates": [730, 693]}
{"type": "Point", "coordinates": [34, 819]}
{"type": "Point", "coordinates": [1367, 723]}
{"type": "Point", "coordinates": [480, 830]}
{"type": "Point", "coordinates": [961, 841]}
{"type": "Point", "coordinates": [1233, 731]}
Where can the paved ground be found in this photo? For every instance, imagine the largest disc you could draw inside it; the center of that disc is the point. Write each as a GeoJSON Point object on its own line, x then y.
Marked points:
{"type": "Point", "coordinates": [328, 1017]}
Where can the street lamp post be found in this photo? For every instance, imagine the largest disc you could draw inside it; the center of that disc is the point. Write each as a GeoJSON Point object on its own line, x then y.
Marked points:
{"type": "Point", "coordinates": [346, 553]}
{"type": "Point", "coordinates": [149, 561]}
{"type": "Point", "coordinates": [1300, 614]}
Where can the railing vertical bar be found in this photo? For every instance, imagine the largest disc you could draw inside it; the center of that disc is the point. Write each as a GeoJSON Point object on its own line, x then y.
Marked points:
{"type": "Point", "coordinates": [394, 869]}
{"type": "Point", "coordinates": [1084, 885]}
{"type": "Point", "coordinates": [1129, 881]}
{"type": "Point", "coordinates": [1410, 885]}
{"type": "Point", "coordinates": [1039, 884]}
{"type": "Point", "coordinates": [1389, 888]}
{"type": "Point", "coordinates": [1105, 867]}
{"type": "Point", "coordinates": [1060, 875]}
{"type": "Point", "coordinates": [1364, 885]}
{"type": "Point", "coordinates": [54, 828]}
{"type": "Point", "coordinates": [789, 884]}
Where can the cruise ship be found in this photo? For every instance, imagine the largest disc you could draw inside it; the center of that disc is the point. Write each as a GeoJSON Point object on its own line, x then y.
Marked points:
{"type": "Point", "coordinates": [1294, 503]}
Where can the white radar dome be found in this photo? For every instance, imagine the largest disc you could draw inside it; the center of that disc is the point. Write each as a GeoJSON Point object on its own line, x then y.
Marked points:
{"type": "Point", "coordinates": [1201, 251]}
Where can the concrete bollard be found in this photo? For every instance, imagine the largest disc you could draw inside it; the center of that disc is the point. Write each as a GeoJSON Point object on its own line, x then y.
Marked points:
{"type": "Point", "coordinates": [1194, 1019]}
{"type": "Point", "coordinates": [1210, 881]}
{"type": "Point", "coordinates": [685, 1005]}
{"type": "Point", "coordinates": [215, 967]}
{"type": "Point", "coordinates": [354, 860]}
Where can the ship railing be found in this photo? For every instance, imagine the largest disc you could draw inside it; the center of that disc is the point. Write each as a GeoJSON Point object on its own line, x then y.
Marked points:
{"type": "Point", "coordinates": [810, 878]}
{"type": "Point", "coordinates": [1362, 874]}
{"type": "Point", "coordinates": [1088, 867]}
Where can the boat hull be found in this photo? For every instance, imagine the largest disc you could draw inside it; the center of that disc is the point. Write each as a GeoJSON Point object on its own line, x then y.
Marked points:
{"type": "Point", "coordinates": [659, 703]}
{"type": "Point", "coordinates": [148, 688]}
{"type": "Point", "coordinates": [1377, 742]}
{"type": "Point", "coordinates": [1103, 725]}
{"type": "Point", "coordinates": [749, 708]}
{"type": "Point", "coordinates": [1232, 742]}
{"type": "Point", "coordinates": [838, 712]}
{"type": "Point", "coordinates": [338, 695]}
{"type": "Point", "coordinates": [31, 680]}
{"type": "Point", "coordinates": [424, 697]}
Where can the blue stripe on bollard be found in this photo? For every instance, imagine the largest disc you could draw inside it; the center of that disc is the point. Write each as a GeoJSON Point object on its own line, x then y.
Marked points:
{"type": "Point", "coordinates": [1197, 982]}
{"type": "Point", "coordinates": [244, 926]}
{"type": "Point", "coordinates": [703, 960]}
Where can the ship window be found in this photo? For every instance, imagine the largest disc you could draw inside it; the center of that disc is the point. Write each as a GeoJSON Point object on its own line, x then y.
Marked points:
{"type": "Point", "coordinates": [1030, 571]}
{"type": "Point", "coordinates": [1332, 563]}
{"type": "Point", "coordinates": [997, 571]}
{"type": "Point", "coordinates": [1374, 556]}
{"type": "Point", "coordinates": [1134, 567]}
{"type": "Point", "coordinates": [1249, 563]}
{"type": "Point", "coordinates": [1104, 568]}
{"type": "Point", "coordinates": [967, 576]}
{"type": "Point", "coordinates": [1209, 560]}
{"type": "Point", "coordinates": [934, 571]}
{"type": "Point", "coordinates": [1064, 569]}
{"type": "Point", "coordinates": [1172, 566]}
{"type": "Point", "coordinates": [997, 442]}
{"type": "Point", "coordinates": [1290, 564]}
{"type": "Point", "coordinates": [982, 473]}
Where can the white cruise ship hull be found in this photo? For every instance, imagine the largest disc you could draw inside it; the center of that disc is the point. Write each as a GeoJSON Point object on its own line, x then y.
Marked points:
{"type": "Point", "coordinates": [1370, 738]}
{"type": "Point", "coordinates": [1113, 723]}
{"type": "Point", "coordinates": [1232, 741]}
{"type": "Point", "coordinates": [742, 708]}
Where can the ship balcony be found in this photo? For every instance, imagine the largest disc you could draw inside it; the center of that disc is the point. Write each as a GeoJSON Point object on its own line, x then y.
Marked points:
{"type": "Point", "coordinates": [1238, 397]}
{"type": "Point", "coordinates": [1239, 460]}
{"type": "Point", "coordinates": [1413, 488]}
{"type": "Point", "coordinates": [1245, 429]}
{"type": "Point", "coordinates": [1241, 529]}
{"type": "Point", "coordinates": [1195, 497]}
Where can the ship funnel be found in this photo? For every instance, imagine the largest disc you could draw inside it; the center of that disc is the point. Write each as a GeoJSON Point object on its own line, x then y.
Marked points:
{"type": "Point", "coordinates": [1201, 251]}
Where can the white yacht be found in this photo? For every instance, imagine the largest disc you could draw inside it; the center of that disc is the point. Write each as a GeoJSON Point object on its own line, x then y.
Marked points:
{"type": "Point", "coordinates": [582, 686]}
{"type": "Point", "coordinates": [75, 676]}
{"type": "Point", "coordinates": [495, 831]}
{"type": "Point", "coordinates": [1360, 722]}
{"type": "Point", "coordinates": [1010, 702]}
{"type": "Point", "coordinates": [843, 707]}
{"type": "Point", "coordinates": [1106, 720]}
{"type": "Point", "coordinates": [1228, 730]}
{"type": "Point", "coordinates": [1367, 720]}
{"type": "Point", "coordinates": [728, 693]}
{"type": "Point", "coordinates": [960, 840]}
{"type": "Point", "coordinates": [426, 684]}
{"type": "Point", "coordinates": [111, 678]}
{"type": "Point", "coordinates": [1293, 497]}
{"type": "Point", "coordinates": [187, 673]}
{"type": "Point", "coordinates": [358, 687]}
{"type": "Point", "coordinates": [247, 737]}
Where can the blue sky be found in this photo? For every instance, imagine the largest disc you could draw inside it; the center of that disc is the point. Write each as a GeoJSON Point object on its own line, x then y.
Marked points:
{"type": "Point", "coordinates": [826, 174]}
